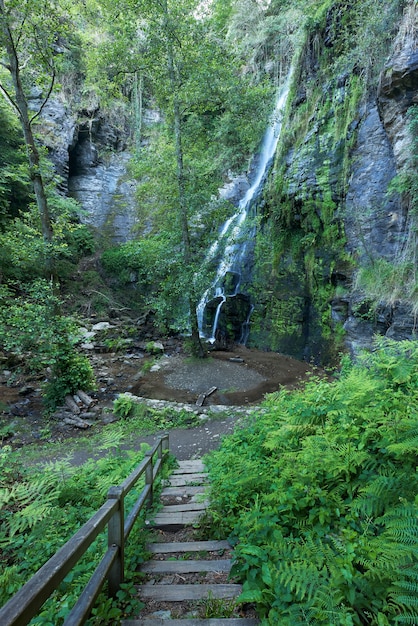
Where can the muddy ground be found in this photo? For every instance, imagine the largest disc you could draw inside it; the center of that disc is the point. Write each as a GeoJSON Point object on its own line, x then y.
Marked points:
{"type": "Point", "coordinates": [241, 376]}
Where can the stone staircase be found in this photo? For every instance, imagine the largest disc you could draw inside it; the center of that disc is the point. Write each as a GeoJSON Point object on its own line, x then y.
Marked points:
{"type": "Point", "coordinates": [186, 582]}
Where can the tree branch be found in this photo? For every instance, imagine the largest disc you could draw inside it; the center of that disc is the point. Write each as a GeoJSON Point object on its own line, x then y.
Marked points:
{"type": "Point", "coordinates": [51, 86]}
{"type": "Point", "coordinates": [9, 98]}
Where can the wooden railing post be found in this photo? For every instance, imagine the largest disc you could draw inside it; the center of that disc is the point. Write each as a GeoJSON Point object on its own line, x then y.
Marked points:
{"type": "Point", "coordinates": [116, 537]}
{"type": "Point", "coordinates": [149, 478]}
{"type": "Point", "coordinates": [164, 444]}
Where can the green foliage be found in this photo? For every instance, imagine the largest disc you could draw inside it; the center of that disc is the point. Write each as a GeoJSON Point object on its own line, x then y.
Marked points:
{"type": "Point", "coordinates": [123, 405]}
{"type": "Point", "coordinates": [32, 329]}
{"type": "Point", "coordinates": [148, 419]}
{"type": "Point", "coordinates": [41, 507]}
{"type": "Point", "coordinates": [160, 275]}
{"type": "Point", "coordinates": [22, 250]}
{"type": "Point", "coordinates": [212, 607]}
{"type": "Point", "coordinates": [320, 493]}
{"type": "Point", "coordinates": [14, 175]}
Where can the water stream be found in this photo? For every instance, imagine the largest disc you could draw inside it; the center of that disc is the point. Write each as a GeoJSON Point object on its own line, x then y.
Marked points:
{"type": "Point", "coordinates": [236, 238]}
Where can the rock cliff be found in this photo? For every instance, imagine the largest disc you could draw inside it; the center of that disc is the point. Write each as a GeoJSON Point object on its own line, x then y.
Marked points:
{"type": "Point", "coordinates": [91, 158]}
{"type": "Point", "coordinates": [332, 207]}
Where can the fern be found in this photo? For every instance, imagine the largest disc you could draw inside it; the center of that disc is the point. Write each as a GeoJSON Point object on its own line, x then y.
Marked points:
{"type": "Point", "coordinates": [383, 492]}
{"type": "Point", "coordinates": [30, 503]}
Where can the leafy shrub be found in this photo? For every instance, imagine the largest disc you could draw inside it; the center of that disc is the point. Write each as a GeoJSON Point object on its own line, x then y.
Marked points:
{"type": "Point", "coordinates": [320, 493]}
{"type": "Point", "coordinates": [123, 405]}
{"type": "Point", "coordinates": [32, 327]}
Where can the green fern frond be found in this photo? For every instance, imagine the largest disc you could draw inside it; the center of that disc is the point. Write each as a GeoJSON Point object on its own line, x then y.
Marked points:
{"type": "Point", "coordinates": [59, 470]}
{"type": "Point", "coordinates": [7, 495]}
{"type": "Point", "coordinates": [28, 517]}
{"type": "Point", "coordinates": [329, 607]}
{"type": "Point", "coordinates": [30, 502]}
{"type": "Point", "coordinates": [410, 444]}
{"type": "Point", "coordinates": [298, 614]}
{"type": "Point", "coordinates": [301, 578]}
{"type": "Point", "coordinates": [401, 524]}
{"type": "Point", "coordinates": [381, 493]}
{"type": "Point", "coordinates": [407, 618]}
{"type": "Point", "coordinates": [408, 601]}
{"type": "Point", "coordinates": [111, 439]}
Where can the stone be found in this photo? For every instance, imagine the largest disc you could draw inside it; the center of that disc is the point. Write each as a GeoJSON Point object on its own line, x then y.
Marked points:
{"type": "Point", "coordinates": [155, 347]}
{"type": "Point", "coordinates": [105, 193]}
{"type": "Point", "coordinates": [87, 346]}
{"type": "Point", "coordinates": [161, 615]}
{"type": "Point", "coordinates": [27, 389]}
{"type": "Point", "coordinates": [370, 224]}
{"type": "Point", "coordinates": [109, 418]}
{"type": "Point", "coordinates": [102, 326]}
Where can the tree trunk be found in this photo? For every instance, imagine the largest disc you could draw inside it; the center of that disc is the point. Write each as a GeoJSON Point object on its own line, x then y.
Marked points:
{"type": "Point", "coordinates": [187, 255]}
{"type": "Point", "coordinates": [21, 105]}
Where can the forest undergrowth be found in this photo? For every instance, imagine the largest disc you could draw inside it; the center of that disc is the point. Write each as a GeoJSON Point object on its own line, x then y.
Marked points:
{"type": "Point", "coordinates": [319, 494]}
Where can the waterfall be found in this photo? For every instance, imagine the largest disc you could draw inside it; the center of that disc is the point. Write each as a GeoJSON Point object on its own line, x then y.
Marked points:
{"type": "Point", "coordinates": [236, 237]}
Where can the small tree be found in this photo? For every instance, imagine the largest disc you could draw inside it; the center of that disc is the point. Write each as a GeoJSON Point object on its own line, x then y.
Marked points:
{"type": "Point", "coordinates": [29, 31]}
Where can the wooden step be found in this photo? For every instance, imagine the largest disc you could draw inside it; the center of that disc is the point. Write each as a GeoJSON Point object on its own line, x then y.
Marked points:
{"type": "Point", "coordinates": [180, 593]}
{"type": "Point", "coordinates": [175, 520]}
{"type": "Point", "coordinates": [187, 506]}
{"type": "Point", "coordinates": [188, 546]}
{"type": "Point", "coordinates": [191, 466]}
{"type": "Point", "coordinates": [186, 566]}
{"type": "Point", "coordinates": [187, 479]}
{"type": "Point", "coordinates": [180, 492]}
{"type": "Point", "coordinates": [195, 621]}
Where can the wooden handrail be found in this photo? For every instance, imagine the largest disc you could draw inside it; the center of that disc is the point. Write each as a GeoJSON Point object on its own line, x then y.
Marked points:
{"type": "Point", "coordinates": [25, 604]}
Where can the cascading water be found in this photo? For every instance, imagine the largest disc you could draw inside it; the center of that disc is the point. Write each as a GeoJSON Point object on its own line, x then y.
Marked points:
{"type": "Point", "coordinates": [236, 239]}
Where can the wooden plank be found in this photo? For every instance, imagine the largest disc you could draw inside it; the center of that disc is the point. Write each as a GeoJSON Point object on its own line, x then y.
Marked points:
{"type": "Point", "coordinates": [187, 506]}
{"type": "Point", "coordinates": [182, 518]}
{"type": "Point", "coordinates": [195, 621]}
{"type": "Point", "coordinates": [189, 466]}
{"type": "Point", "coordinates": [202, 397]}
{"type": "Point", "coordinates": [183, 491]}
{"type": "Point", "coordinates": [189, 479]}
{"type": "Point", "coordinates": [190, 469]}
{"type": "Point", "coordinates": [188, 546]}
{"type": "Point", "coordinates": [179, 593]}
{"type": "Point", "coordinates": [186, 566]}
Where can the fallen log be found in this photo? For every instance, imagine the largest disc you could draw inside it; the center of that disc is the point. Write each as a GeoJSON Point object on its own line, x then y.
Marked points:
{"type": "Point", "coordinates": [72, 405]}
{"type": "Point", "coordinates": [202, 397]}
{"type": "Point", "coordinates": [76, 422]}
{"type": "Point", "coordinates": [85, 399]}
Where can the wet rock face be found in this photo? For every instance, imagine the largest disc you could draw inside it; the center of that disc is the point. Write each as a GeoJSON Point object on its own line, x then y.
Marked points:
{"type": "Point", "coordinates": [104, 191]}
{"type": "Point", "coordinates": [235, 188]}
{"type": "Point", "coordinates": [398, 91]}
{"type": "Point", "coordinates": [101, 185]}
{"type": "Point", "coordinates": [58, 129]}
{"type": "Point", "coordinates": [374, 220]}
